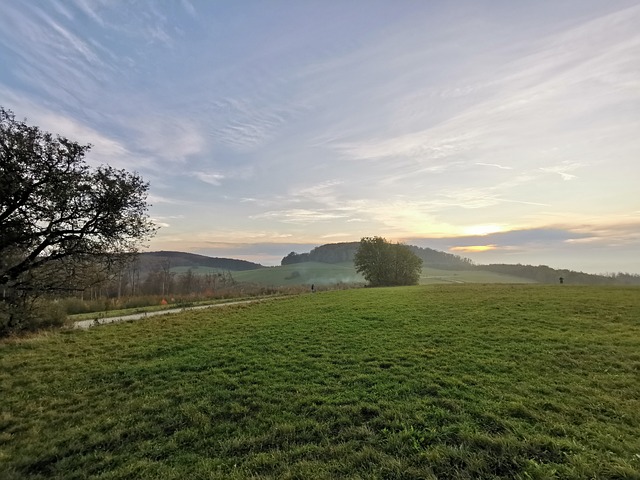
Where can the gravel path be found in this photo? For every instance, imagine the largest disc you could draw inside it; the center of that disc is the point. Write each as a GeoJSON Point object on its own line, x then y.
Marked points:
{"type": "Point", "coordinates": [84, 324]}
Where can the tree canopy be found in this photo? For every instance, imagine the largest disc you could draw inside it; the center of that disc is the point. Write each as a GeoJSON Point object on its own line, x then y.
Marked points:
{"type": "Point", "coordinates": [382, 263]}
{"type": "Point", "coordinates": [57, 212]}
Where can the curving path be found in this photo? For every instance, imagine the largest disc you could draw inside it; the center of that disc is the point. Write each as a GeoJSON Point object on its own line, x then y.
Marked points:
{"type": "Point", "coordinates": [84, 324]}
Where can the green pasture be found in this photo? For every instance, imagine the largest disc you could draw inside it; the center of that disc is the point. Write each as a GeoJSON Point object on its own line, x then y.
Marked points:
{"type": "Point", "coordinates": [328, 274]}
{"type": "Point", "coordinates": [441, 381]}
{"type": "Point", "coordinates": [307, 273]}
{"type": "Point", "coordinates": [433, 275]}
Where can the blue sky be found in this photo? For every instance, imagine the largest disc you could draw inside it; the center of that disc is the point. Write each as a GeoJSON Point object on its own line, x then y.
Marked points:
{"type": "Point", "coordinates": [501, 131]}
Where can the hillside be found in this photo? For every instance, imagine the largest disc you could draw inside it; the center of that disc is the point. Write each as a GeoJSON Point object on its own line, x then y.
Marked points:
{"type": "Point", "coordinates": [334, 253]}
{"type": "Point", "coordinates": [345, 252]}
{"type": "Point", "coordinates": [150, 261]}
{"type": "Point", "coordinates": [331, 264]}
{"type": "Point", "coordinates": [307, 273]}
{"type": "Point", "coordinates": [545, 274]}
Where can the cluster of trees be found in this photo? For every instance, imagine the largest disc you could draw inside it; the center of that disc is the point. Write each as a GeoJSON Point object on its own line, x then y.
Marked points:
{"type": "Point", "coordinates": [329, 253]}
{"type": "Point", "coordinates": [382, 263]}
{"type": "Point", "coordinates": [159, 279]}
{"type": "Point", "coordinates": [442, 260]}
{"type": "Point", "coordinates": [346, 252]}
{"type": "Point", "coordinates": [165, 282]}
{"type": "Point", "coordinates": [63, 224]}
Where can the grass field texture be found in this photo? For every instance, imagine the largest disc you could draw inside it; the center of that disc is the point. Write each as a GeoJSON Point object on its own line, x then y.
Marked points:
{"type": "Point", "coordinates": [440, 381]}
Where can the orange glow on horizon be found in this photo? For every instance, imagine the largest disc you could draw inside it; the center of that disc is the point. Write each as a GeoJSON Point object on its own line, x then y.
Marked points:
{"type": "Point", "coordinates": [474, 248]}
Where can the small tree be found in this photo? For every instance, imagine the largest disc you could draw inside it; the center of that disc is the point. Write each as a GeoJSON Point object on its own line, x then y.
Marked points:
{"type": "Point", "coordinates": [384, 264]}
{"type": "Point", "coordinates": [58, 216]}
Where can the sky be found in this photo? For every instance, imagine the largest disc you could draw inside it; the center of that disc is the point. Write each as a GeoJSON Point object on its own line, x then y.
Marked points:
{"type": "Point", "coordinates": [501, 131]}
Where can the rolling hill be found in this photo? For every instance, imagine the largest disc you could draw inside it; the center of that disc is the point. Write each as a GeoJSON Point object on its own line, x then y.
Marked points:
{"type": "Point", "coordinates": [182, 261]}
{"type": "Point", "coordinates": [332, 264]}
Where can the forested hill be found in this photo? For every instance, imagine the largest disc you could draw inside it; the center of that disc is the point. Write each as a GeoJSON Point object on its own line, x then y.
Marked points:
{"type": "Point", "coordinates": [545, 274]}
{"type": "Point", "coordinates": [345, 252]}
{"type": "Point", "coordinates": [150, 260]}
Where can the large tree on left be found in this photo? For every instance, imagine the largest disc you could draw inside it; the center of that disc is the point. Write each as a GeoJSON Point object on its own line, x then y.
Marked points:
{"type": "Point", "coordinates": [57, 214]}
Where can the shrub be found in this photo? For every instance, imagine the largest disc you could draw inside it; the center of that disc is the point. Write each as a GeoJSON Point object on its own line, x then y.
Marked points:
{"type": "Point", "coordinates": [27, 315]}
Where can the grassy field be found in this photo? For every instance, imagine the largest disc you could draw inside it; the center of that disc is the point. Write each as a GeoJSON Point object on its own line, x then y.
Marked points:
{"type": "Point", "coordinates": [302, 274]}
{"type": "Point", "coordinates": [433, 275]}
{"type": "Point", "coordinates": [442, 381]}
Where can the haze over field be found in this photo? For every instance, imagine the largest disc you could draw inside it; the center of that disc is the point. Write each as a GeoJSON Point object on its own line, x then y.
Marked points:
{"type": "Point", "coordinates": [499, 131]}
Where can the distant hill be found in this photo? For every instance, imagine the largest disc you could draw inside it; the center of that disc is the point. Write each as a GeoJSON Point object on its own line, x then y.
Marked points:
{"type": "Point", "coordinates": [149, 261]}
{"type": "Point", "coordinates": [545, 274]}
{"type": "Point", "coordinates": [334, 253]}
{"type": "Point", "coordinates": [345, 252]}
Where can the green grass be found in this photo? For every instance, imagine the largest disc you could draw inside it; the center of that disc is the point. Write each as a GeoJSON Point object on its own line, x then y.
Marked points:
{"type": "Point", "coordinates": [443, 381]}
{"type": "Point", "coordinates": [433, 275]}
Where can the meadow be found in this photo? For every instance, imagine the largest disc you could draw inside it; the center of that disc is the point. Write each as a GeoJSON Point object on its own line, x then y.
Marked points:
{"type": "Point", "coordinates": [330, 274]}
{"type": "Point", "coordinates": [439, 381]}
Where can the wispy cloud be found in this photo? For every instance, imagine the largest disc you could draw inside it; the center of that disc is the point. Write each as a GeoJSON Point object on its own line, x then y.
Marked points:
{"type": "Point", "coordinates": [563, 170]}
{"type": "Point", "coordinates": [502, 167]}
{"type": "Point", "coordinates": [211, 178]}
{"type": "Point", "coordinates": [299, 216]}
{"type": "Point", "coordinates": [247, 123]}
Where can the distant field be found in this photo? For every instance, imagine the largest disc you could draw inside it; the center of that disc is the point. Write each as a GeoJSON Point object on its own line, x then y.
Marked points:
{"type": "Point", "coordinates": [324, 274]}
{"type": "Point", "coordinates": [432, 275]}
{"type": "Point", "coordinates": [438, 381]}
{"type": "Point", "coordinates": [302, 273]}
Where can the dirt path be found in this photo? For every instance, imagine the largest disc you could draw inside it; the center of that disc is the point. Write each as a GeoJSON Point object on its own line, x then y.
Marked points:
{"type": "Point", "coordinates": [84, 324]}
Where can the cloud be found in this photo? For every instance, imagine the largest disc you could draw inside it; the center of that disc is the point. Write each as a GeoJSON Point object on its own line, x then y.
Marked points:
{"type": "Point", "coordinates": [502, 167]}
{"type": "Point", "coordinates": [159, 223]}
{"type": "Point", "coordinates": [245, 123]}
{"type": "Point", "coordinates": [155, 199]}
{"type": "Point", "coordinates": [211, 178]}
{"type": "Point", "coordinates": [426, 145]}
{"type": "Point", "coordinates": [90, 9]}
{"type": "Point", "coordinates": [165, 136]}
{"type": "Point", "coordinates": [563, 170]}
{"type": "Point", "coordinates": [299, 216]}
{"type": "Point", "coordinates": [188, 6]}
{"type": "Point", "coordinates": [336, 235]}
{"type": "Point", "coordinates": [104, 150]}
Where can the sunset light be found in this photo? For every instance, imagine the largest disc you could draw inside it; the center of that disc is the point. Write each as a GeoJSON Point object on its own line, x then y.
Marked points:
{"type": "Point", "coordinates": [265, 128]}
{"type": "Point", "coordinates": [473, 248]}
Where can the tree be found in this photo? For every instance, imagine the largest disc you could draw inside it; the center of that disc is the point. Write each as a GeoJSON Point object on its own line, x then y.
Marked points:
{"type": "Point", "coordinates": [58, 215]}
{"type": "Point", "coordinates": [385, 264]}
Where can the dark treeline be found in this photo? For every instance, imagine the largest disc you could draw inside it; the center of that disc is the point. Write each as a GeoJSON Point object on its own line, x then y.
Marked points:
{"type": "Point", "coordinates": [545, 274]}
{"type": "Point", "coordinates": [329, 253]}
{"type": "Point", "coordinates": [181, 259]}
{"type": "Point", "coordinates": [345, 252]}
{"type": "Point", "coordinates": [145, 276]}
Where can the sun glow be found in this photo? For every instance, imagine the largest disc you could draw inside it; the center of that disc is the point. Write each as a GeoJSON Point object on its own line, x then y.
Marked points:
{"type": "Point", "coordinates": [473, 248]}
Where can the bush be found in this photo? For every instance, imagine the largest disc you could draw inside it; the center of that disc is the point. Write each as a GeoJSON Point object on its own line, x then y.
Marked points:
{"type": "Point", "coordinates": [29, 315]}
